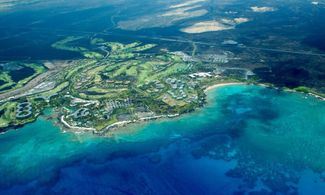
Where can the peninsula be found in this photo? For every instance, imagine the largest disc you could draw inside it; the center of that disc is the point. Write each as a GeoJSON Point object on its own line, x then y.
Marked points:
{"type": "Point", "coordinates": [111, 85]}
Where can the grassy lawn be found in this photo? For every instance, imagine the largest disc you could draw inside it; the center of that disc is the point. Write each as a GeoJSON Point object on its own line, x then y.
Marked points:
{"type": "Point", "coordinates": [9, 114]}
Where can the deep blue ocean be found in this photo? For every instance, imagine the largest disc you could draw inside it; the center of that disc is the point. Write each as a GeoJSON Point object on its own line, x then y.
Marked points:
{"type": "Point", "coordinates": [247, 140]}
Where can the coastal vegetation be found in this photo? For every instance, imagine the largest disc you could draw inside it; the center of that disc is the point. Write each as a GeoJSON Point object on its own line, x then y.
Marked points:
{"type": "Point", "coordinates": [114, 84]}
{"type": "Point", "coordinates": [307, 90]}
{"type": "Point", "coordinates": [302, 89]}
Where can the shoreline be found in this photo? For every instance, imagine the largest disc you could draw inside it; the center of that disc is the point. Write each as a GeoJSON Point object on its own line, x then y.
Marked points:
{"type": "Point", "coordinates": [321, 98]}
{"type": "Point", "coordinates": [212, 87]}
{"type": "Point", "coordinates": [310, 94]}
{"type": "Point", "coordinates": [317, 96]}
{"type": "Point", "coordinates": [215, 86]}
{"type": "Point", "coordinates": [63, 124]}
{"type": "Point", "coordinates": [66, 124]}
{"type": "Point", "coordinates": [121, 124]}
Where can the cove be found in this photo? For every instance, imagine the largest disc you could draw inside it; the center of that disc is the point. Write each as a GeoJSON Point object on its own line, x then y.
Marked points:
{"type": "Point", "coordinates": [248, 139]}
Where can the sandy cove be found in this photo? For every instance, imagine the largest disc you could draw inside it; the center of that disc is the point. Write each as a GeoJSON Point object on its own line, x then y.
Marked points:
{"type": "Point", "coordinates": [222, 85]}
{"type": "Point", "coordinates": [260, 84]}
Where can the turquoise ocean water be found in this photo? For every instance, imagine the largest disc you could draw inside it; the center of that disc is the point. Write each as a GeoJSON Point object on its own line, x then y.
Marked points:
{"type": "Point", "coordinates": [248, 139]}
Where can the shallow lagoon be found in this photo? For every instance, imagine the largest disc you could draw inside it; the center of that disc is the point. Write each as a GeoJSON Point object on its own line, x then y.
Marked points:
{"type": "Point", "coordinates": [247, 139]}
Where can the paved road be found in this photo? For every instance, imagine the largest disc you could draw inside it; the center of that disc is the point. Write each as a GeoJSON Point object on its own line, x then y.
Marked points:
{"type": "Point", "coordinates": [41, 77]}
{"type": "Point", "coordinates": [53, 68]}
